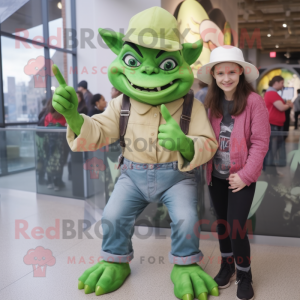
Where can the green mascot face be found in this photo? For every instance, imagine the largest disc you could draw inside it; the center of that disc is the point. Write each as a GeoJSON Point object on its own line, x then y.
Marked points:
{"type": "Point", "coordinates": [150, 75]}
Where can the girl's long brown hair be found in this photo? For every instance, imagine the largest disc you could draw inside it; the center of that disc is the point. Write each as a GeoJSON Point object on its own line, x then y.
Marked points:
{"type": "Point", "coordinates": [56, 115]}
{"type": "Point", "coordinates": [213, 99]}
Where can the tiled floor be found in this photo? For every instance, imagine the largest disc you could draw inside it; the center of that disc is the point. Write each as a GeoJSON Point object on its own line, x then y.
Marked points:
{"type": "Point", "coordinates": [275, 269]}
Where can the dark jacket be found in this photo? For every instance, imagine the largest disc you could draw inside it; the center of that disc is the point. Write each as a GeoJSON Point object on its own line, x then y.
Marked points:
{"type": "Point", "coordinates": [88, 98]}
{"type": "Point", "coordinates": [82, 108]}
{"type": "Point", "coordinates": [95, 111]}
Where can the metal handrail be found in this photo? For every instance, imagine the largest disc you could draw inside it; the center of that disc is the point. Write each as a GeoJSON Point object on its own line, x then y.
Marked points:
{"type": "Point", "coordinates": [38, 129]}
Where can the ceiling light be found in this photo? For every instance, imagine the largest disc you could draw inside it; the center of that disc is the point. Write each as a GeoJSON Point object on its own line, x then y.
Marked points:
{"type": "Point", "coordinates": [284, 25]}
{"type": "Point", "coordinates": [287, 55]}
{"type": "Point", "coordinates": [276, 46]}
{"type": "Point", "coordinates": [268, 35]}
{"type": "Point", "coordinates": [59, 5]}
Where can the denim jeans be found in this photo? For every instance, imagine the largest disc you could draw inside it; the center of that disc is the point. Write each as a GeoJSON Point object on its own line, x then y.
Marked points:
{"type": "Point", "coordinates": [139, 185]}
{"type": "Point", "coordinates": [276, 143]}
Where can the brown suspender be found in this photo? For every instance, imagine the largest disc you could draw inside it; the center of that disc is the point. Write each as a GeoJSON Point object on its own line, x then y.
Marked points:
{"type": "Point", "coordinates": [184, 119]}
{"type": "Point", "coordinates": [124, 116]}
{"type": "Point", "coordinates": [186, 112]}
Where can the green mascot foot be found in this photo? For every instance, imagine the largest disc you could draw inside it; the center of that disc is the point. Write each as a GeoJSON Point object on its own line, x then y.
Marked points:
{"type": "Point", "coordinates": [104, 277]}
{"type": "Point", "coordinates": [191, 281]}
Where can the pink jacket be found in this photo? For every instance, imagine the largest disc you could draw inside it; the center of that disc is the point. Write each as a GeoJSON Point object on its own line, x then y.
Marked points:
{"type": "Point", "coordinates": [249, 141]}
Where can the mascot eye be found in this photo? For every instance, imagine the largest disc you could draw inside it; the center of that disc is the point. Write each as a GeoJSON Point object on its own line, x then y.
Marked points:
{"type": "Point", "coordinates": [168, 64]}
{"type": "Point", "coordinates": [131, 61]}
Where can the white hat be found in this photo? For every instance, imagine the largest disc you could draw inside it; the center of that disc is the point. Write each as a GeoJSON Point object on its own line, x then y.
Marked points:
{"type": "Point", "coordinates": [227, 53]}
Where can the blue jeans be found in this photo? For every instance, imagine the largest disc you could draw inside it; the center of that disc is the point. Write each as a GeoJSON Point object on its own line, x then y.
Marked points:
{"type": "Point", "coordinates": [139, 185]}
{"type": "Point", "coordinates": [276, 143]}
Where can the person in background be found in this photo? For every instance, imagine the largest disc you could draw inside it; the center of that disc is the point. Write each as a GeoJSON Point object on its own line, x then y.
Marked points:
{"type": "Point", "coordinates": [82, 108]}
{"type": "Point", "coordinates": [115, 93]}
{"type": "Point", "coordinates": [201, 94]}
{"type": "Point", "coordinates": [53, 118]}
{"type": "Point", "coordinates": [56, 149]}
{"type": "Point", "coordinates": [98, 105]}
{"type": "Point", "coordinates": [87, 95]}
{"type": "Point", "coordinates": [276, 107]}
{"type": "Point", "coordinates": [297, 108]}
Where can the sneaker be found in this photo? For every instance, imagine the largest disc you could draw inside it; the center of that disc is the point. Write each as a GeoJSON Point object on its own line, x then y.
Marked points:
{"type": "Point", "coordinates": [50, 186]}
{"type": "Point", "coordinates": [57, 188]}
{"type": "Point", "coordinates": [244, 281]}
{"type": "Point", "coordinates": [226, 273]}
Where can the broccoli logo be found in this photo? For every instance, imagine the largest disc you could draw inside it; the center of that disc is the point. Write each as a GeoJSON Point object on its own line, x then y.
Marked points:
{"type": "Point", "coordinates": [40, 68]}
{"type": "Point", "coordinates": [94, 165]}
{"type": "Point", "coordinates": [39, 258]}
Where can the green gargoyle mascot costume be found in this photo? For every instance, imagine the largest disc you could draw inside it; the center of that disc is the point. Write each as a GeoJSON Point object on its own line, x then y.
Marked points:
{"type": "Point", "coordinates": [164, 133]}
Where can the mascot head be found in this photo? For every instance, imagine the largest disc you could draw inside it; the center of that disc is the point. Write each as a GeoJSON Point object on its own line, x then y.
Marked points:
{"type": "Point", "coordinates": [152, 65]}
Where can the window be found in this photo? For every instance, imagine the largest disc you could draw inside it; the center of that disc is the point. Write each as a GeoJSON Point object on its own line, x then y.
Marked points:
{"type": "Point", "coordinates": [34, 37]}
{"type": "Point", "coordinates": [23, 86]}
{"type": "Point", "coordinates": [59, 16]}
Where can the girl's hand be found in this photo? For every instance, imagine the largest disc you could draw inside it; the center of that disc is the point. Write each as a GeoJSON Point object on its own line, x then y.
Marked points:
{"type": "Point", "coordinates": [236, 183]}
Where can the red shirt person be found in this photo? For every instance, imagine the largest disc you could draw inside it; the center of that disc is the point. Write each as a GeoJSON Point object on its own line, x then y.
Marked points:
{"type": "Point", "coordinates": [53, 117]}
{"type": "Point", "coordinates": [276, 107]}
{"type": "Point", "coordinates": [275, 104]}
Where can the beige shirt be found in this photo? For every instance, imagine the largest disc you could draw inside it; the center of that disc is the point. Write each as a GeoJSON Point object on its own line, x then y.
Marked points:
{"type": "Point", "coordinates": [141, 135]}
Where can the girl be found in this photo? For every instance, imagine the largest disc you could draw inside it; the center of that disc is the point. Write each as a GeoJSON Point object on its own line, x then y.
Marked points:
{"type": "Point", "coordinates": [241, 124]}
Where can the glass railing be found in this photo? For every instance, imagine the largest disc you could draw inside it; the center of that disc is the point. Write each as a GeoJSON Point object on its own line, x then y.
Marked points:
{"type": "Point", "coordinates": [39, 160]}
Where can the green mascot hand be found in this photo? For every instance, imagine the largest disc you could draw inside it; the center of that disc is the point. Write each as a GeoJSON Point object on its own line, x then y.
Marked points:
{"type": "Point", "coordinates": [65, 102]}
{"type": "Point", "coordinates": [172, 138]}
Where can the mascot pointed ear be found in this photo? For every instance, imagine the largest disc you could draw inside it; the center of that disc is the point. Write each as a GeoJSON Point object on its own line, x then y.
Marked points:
{"type": "Point", "coordinates": [112, 39]}
{"type": "Point", "coordinates": [191, 52]}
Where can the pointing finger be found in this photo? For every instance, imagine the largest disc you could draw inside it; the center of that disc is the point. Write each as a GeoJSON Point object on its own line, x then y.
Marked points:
{"type": "Point", "coordinates": [165, 113]}
{"type": "Point", "coordinates": [58, 75]}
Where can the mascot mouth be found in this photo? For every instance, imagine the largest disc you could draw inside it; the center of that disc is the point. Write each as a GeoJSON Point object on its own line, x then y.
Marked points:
{"type": "Point", "coordinates": [151, 90]}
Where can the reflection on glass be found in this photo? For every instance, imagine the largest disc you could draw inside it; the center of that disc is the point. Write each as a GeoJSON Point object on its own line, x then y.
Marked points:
{"type": "Point", "coordinates": [26, 21]}
{"type": "Point", "coordinates": [23, 81]}
{"type": "Point", "coordinates": [59, 15]}
{"type": "Point", "coordinates": [19, 150]}
{"type": "Point", "coordinates": [92, 175]}
{"type": "Point", "coordinates": [64, 63]}
{"type": "Point", "coordinates": [275, 209]}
